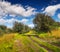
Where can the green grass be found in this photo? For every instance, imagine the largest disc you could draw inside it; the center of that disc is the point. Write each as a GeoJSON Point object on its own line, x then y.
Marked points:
{"type": "Point", "coordinates": [50, 46]}
{"type": "Point", "coordinates": [19, 43]}
{"type": "Point", "coordinates": [36, 47]}
{"type": "Point", "coordinates": [33, 47]}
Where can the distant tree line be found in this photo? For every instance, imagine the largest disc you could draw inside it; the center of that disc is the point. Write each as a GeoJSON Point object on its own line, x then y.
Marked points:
{"type": "Point", "coordinates": [4, 29]}
{"type": "Point", "coordinates": [17, 28]}
{"type": "Point", "coordinates": [42, 23]}
{"type": "Point", "coordinates": [20, 27]}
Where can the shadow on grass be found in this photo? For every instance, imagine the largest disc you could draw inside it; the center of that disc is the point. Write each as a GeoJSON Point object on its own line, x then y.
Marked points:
{"type": "Point", "coordinates": [32, 35]}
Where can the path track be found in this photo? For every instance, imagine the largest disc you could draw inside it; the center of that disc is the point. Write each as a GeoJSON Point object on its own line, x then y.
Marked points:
{"type": "Point", "coordinates": [49, 50]}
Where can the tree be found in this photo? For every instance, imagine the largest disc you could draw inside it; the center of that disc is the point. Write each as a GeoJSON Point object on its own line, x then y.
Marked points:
{"type": "Point", "coordinates": [9, 30]}
{"type": "Point", "coordinates": [20, 28]}
{"type": "Point", "coordinates": [58, 24]}
{"type": "Point", "coordinates": [43, 23]}
{"type": "Point", "coordinates": [2, 29]}
{"type": "Point", "coordinates": [26, 28]}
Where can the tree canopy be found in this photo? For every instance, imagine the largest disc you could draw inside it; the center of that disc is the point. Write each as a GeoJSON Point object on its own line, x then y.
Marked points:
{"type": "Point", "coordinates": [43, 23]}
{"type": "Point", "coordinates": [20, 27]}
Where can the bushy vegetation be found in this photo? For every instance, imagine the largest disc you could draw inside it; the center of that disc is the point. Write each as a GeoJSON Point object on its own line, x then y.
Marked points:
{"type": "Point", "coordinates": [20, 28]}
{"type": "Point", "coordinates": [44, 23]}
{"type": "Point", "coordinates": [17, 28]}
{"type": "Point", "coordinates": [4, 30]}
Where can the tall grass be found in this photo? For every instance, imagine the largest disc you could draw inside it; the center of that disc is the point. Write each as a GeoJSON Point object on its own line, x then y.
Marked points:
{"type": "Point", "coordinates": [50, 46]}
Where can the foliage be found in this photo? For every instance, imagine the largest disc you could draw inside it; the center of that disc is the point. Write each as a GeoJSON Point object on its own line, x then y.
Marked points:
{"type": "Point", "coordinates": [4, 30]}
{"type": "Point", "coordinates": [20, 28]}
{"type": "Point", "coordinates": [43, 23]}
{"type": "Point", "coordinates": [9, 30]}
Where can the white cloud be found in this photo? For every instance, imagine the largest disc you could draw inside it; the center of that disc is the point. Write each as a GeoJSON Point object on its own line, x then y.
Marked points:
{"type": "Point", "coordinates": [51, 10]}
{"type": "Point", "coordinates": [31, 25]}
{"type": "Point", "coordinates": [2, 21]}
{"type": "Point", "coordinates": [12, 20]}
{"type": "Point", "coordinates": [24, 20]}
{"type": "Point", "coordinates": [59, 16]}
{"type": "Point", "coordinates": [12, 15]}
{"type": "Point", "coordinates": [8, 8]}
{"type": "Point", "coordinates": [9, 21]}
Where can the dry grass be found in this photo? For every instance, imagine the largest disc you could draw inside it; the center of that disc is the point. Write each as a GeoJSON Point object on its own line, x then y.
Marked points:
{"type": "Point", "coordinates": [55, 33]}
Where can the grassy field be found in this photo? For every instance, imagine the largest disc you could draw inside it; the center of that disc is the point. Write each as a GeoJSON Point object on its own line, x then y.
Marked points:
{"type": "Point", "coordinates": [23, 43]}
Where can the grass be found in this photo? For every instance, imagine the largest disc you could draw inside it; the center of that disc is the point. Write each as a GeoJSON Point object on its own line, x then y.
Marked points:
{"type": "Point", "coordinates": [6, 43]}
{"type": "Point", "coordinates": [18, 43]}
{"type": "Point", "coordinates": [36, 47]}
{"type": "Point", "coordinates": [50, 46]}
{"type": "Point", "coordinates": [56, 33]}
{"type": "Point", "coordinates": [15, 42]}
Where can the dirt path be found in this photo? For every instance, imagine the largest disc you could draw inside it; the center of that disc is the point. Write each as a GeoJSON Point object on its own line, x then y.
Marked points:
{"type": "Point", "coordinates": [30, 44]}
{"type": "Point", "coordinates": [55, 44]}
{"type": "Point", "coordinates": [49, 50]}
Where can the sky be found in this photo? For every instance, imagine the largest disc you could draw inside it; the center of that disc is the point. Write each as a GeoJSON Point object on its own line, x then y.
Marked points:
{"type": "Point", "coordinates": [24, 11]}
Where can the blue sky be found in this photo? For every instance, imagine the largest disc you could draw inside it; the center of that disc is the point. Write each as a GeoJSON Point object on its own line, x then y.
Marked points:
{"type": "Point", "coordinates": [25, 10]}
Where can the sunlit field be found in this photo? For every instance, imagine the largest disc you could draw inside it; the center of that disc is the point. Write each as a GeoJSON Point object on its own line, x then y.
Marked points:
{"type": "Point", "coordinates": [45, 42]}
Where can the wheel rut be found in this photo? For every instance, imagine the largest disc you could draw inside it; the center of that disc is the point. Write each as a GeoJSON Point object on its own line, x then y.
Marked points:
{"type": "Point", "coordinates": [49, 50]}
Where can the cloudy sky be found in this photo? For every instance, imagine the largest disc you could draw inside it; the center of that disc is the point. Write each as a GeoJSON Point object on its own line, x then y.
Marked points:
{"type": "Point", "coordinates": [25, 10]}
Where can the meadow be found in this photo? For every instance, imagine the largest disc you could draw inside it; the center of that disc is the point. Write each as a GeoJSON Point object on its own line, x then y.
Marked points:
{"type": "Point", "coordinates": [44, 42]}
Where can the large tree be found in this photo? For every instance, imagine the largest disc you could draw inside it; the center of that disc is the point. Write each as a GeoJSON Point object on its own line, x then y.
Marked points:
{"type": "Point", "coordinates": [43, 23]}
